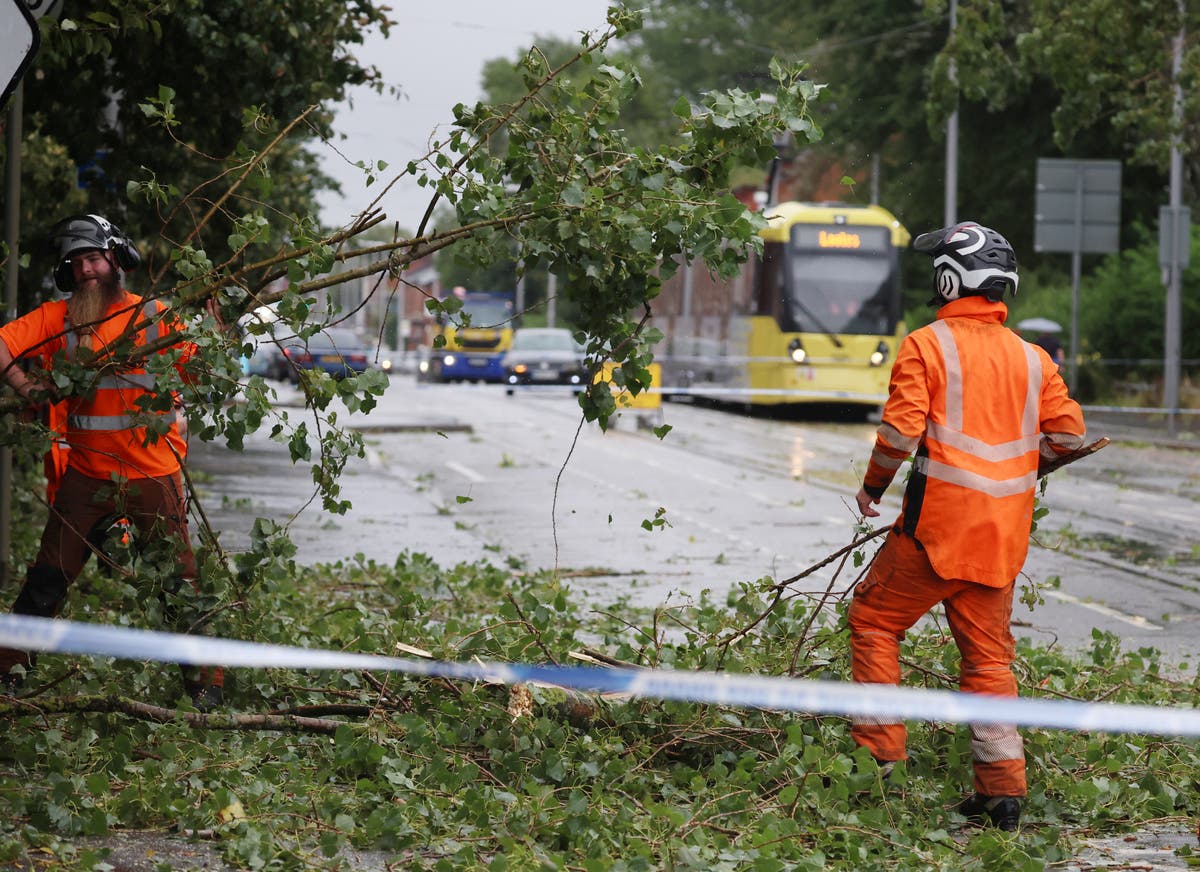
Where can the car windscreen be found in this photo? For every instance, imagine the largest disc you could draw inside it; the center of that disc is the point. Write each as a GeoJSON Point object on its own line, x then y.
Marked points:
{"type": "Point", "coordinates": [341, 340]}
{"type": "Point", "coordinates": [549, 341]}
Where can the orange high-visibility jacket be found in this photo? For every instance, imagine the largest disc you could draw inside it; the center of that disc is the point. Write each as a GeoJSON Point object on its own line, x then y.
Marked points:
{"type": "Point", "coordinates": [101, 427]}
{"type": "Point", "coordinates": [978, 405]}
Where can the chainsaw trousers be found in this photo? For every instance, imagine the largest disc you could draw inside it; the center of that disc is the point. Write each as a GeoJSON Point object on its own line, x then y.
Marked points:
{"type": "Point", "coordinates": [156, 509]}
{"type": "Point", "coordinates": [899, 589]}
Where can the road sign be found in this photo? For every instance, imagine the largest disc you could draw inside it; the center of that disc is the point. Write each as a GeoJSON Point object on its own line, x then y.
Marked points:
{"type": "Point", "coordinates": [1077, 210]}
{"type": "Point", "coordinates": [1078, 206]}
{"type": "Point", "coordinates": [19, 40]}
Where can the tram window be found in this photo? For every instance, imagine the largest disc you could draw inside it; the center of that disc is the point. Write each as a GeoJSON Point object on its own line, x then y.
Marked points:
{"type": "Point", "coordinates": [846, 294]}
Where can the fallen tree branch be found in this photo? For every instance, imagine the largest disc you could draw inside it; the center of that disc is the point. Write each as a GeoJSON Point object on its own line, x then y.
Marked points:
{"type": "Point", "coordinates": [158, 714]}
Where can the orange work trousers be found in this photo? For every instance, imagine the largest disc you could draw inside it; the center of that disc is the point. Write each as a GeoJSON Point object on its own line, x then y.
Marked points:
{"type": "Point", "coordinates": [899, 589]}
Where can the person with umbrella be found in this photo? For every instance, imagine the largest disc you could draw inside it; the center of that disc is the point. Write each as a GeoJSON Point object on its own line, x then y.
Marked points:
{"type": "Point", "coordinates": [1047, 337]}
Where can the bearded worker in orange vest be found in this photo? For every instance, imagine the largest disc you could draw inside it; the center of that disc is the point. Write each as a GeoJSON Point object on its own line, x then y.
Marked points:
{"type": "Point", "coordinates": [980, 407]}
{"type": "Point", "coordinates": [110, 465]}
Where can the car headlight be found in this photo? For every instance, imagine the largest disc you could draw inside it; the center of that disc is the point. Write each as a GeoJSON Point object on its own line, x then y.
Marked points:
{"type": "Point", "coordinates": [448, 360]}
{"type": "Point", "coordinates": [423, 366]}
{"type": "Point", "coordinates": [385, 365]}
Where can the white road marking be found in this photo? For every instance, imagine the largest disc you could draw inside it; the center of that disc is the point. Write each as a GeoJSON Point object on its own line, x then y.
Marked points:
{"type": "Point", "coordinates": [465, 471]}
{"type": "Point", "coordinates": [1136, 620]}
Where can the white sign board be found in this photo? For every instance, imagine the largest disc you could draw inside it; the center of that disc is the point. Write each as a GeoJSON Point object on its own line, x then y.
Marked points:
{"type": "Point", "coordinates": [19, 39]}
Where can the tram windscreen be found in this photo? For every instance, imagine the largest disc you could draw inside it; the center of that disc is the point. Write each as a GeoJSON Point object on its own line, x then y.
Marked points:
{"type": "Point", "coordinates": [837, 289]}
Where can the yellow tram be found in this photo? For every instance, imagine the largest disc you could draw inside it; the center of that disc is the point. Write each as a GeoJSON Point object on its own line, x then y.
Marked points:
{"type": "Point", "coordinates": [816, 319]}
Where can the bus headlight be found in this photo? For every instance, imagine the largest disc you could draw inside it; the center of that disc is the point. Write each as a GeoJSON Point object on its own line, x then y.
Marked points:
{"type": "Point", "coordinates": [880, 355]}
{"type": "Point", "coordinates": [796, 351]}
{"type": "Point", "coordinates": [448, 360]}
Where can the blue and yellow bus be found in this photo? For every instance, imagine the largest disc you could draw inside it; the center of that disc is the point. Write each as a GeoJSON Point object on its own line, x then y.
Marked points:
{"type": "Point", "coordinates": [816, 319]}
{"type": "Point", "coordinates": [475, 345]}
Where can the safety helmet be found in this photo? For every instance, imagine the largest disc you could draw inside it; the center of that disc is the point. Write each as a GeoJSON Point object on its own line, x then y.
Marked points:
{"type": "Point", "coordinates": [80, 233]}
{"type": "Point", "coordinates": [969, 260]}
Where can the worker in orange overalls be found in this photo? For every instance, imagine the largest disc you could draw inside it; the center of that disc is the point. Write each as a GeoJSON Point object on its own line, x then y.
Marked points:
{"type": "Point", "coordinates": [112, 467]}
{"type": "Point", "coordinates": [980, 407]}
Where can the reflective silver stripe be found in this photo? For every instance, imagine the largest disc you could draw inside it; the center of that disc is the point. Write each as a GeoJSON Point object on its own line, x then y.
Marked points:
{"type": "Point", "coordinates": [992, 487]}
{"type": "Point", "coordinates": [154, 329]}
{"type": "Point", "coordinates": [979, 448]}
{"type": "Point", "coordinates": [1031, 421]}
{"type": "Point", "coordinates": [126, 379]}
{"type": "Point", "coordinates": [113, 422]}
{"type": "Point", "coordinates": [875, 720]}
{"type": "Point", "coordinates": [886, 461]}
{"type": "Point", "coordinates": [991, 743]}
{"type": "Point", "coordinates": [898, 440]}
{"type": "Point", "coordinates": [100, 422]}
{"type": "Point", "coordinates": [954, 382]}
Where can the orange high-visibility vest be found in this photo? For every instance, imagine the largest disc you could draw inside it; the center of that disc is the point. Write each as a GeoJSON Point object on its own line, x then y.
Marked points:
{"type": "Point", "coordinates": [102, 429]}
{"type": "Point", "coordinates": [979, 406]}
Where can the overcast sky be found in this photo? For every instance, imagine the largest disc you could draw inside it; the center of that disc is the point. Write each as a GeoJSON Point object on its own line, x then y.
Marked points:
{"type": "Point", "coordinates": [436, 57]}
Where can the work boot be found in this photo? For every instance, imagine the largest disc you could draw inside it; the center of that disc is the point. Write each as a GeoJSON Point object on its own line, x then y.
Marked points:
{"type": "Point", "coordinates": [1003, 812]}
{"type": "Point", "coordinates": [205, 686]}
{"type": "Point", "coordinates": [206, 697]}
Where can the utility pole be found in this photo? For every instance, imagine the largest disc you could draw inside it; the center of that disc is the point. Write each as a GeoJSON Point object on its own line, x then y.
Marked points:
{"type": "Point", "coordinates": [12, 218]}
{"type": "Point", "coordinates": [951, 215]}
{"type": "Point", "coordinates": [1172, 345]}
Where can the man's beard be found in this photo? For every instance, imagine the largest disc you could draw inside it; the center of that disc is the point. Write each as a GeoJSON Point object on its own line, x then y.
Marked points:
{"type": "Point", "coordinates": [86, 307]}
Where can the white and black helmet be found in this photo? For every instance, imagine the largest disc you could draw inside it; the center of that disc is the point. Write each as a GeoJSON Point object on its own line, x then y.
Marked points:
{"type": "Point", "coordinates": [969, 260]}
{"type": "Point", "coordinates": [80, 233]}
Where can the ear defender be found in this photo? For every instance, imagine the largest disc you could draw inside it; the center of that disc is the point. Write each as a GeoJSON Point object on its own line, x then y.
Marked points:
{"type": "Point", "coordinates": [946, 283]}
{"type": "Point", "coordinates": [64, 279]}
{"type": "Point", "coordinates": [128, 258]}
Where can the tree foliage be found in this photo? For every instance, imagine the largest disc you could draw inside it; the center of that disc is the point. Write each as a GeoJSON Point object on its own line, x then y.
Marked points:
{"type": "Point", "coordinates": [447, 775]}
{"type": "Point", "coordinates": [548, 173]}
{"type": "Point", "coordinates": [177, 96]}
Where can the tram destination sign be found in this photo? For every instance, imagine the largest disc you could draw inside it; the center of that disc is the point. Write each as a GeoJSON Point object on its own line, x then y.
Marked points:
{"type": "Point", "coordinates": [841, 237]}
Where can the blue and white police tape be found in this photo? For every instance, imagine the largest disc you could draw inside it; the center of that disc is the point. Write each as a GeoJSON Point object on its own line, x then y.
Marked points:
{"type": "Point", "coordinates": [719, 688]}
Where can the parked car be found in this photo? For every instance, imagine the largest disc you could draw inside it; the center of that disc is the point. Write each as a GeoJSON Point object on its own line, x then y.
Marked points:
{"type": "Point", "coordinates": [544, 355]}
{"type": "Point", "coordinates": [337, 350]}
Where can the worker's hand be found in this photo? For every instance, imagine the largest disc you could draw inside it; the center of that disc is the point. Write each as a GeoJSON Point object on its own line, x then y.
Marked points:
{"type": "Point", "coordinates": [213, 306]}
{"type": "Point", "coordinates": [865, 501]}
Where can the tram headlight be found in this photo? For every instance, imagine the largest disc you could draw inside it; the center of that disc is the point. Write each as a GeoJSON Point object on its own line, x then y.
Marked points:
{"type": "Point", "coordinates": [448, 360]}
{"type": "Point", "coordinates": [796, 351]}
{"type": "Point", "coordinates": [880, 355]}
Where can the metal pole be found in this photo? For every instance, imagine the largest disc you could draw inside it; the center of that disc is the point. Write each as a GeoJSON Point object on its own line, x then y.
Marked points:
{"type": "Point", "coordinates": [551, 298]}
{"type": "Point", "coordinates": [951, 215]}
{"type": "Point", "coordinates": [1172, 343]}
{"type": "Point", "coordinates": [1076, 268]}
{"type": "Point", "coordinates": [12, 220]}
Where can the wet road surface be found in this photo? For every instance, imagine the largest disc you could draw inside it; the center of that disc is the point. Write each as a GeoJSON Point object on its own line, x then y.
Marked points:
{"type": "Point", "coordinates": [465, 472]}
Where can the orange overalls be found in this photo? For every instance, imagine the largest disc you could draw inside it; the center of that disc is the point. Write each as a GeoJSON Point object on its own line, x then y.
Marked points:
{"type": "Point", "coordinates": [979, 406]}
